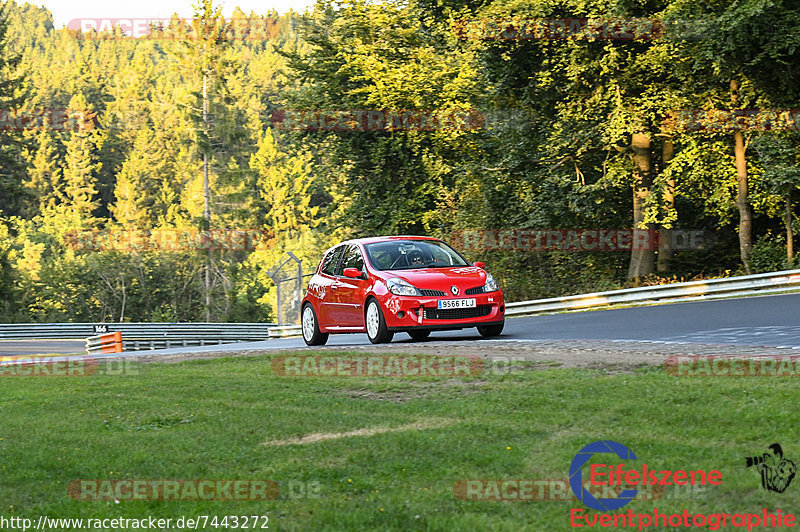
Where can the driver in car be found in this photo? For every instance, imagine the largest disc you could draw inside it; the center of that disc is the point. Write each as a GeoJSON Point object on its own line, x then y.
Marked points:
{"type": "Point", "coordinates": [415, 258]}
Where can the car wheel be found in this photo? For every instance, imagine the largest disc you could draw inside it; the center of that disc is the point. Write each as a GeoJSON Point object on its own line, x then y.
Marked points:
{"type": "Point", "coordinates": [311, 332]}
{"type": "Point", "coordinates": [419, 335]}
{"type": "Point", "coordinates": [490, 330]}
{"type": "Point", "coordinates": [376, 325]}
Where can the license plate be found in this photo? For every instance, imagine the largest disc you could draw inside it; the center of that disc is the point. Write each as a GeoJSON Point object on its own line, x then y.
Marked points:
{"type": "Point", "coordinates": [456, 303]}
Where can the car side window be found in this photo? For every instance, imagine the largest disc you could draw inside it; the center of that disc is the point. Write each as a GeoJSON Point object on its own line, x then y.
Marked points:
{"type": "Point", "coordinates": [352, 259]}
{"type": "Point", "coordinates": [331, 260]}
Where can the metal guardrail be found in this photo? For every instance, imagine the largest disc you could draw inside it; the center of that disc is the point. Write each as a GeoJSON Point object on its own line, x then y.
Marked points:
{"type": "Point", "coordinates": [170, 342]}
{"type": "Point", "coordinates": [285, 331]}
{"type": "Point", "coordinates": [138, 331]}
{"type": "Point", "coordinates": [137, 336]}
{"type": "Point", "coordinates": [761, 283]}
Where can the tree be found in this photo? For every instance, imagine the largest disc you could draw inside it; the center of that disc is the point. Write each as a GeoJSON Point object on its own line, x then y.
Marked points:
{"type": "Point", "coordinates": [79, 202]}
{"type": "Point", "coordinates": [780, 156]}
{"type": "Point", "coordinates": [145, 189]}
{"type": "Point", "coordinates": [754, 41]}
{"type": "Point", "coordinates": [284, 181]}
{"type": "Point", "coordinates": [44, 173]}
{"type": "Point", "coordinates": [202, 58]}
{"type": "Point", "coordinates": [12, 195]}
{"type": "Point", "coordinates": [385, 58]}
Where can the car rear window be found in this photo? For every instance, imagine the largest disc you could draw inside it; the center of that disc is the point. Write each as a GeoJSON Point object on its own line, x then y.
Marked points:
{"type": "Point", "coordinates": [330, 260]}
{"type": "Point", "coordinates": [352, 259]}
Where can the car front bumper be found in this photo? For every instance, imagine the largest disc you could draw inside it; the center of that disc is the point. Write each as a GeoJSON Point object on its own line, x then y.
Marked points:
{"type": "Point", "coordinates": [405, 312]}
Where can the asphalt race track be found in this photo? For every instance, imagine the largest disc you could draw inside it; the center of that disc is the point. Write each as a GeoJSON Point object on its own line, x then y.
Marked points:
{"type": "Point", "coordinates": [38, 347]}
{"type": "Point", "coordinates": [770, 321]}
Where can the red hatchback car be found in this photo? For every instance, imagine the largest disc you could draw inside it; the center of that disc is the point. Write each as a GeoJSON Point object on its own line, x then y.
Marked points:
{"type": "Point", "coordinates": [395, 284]}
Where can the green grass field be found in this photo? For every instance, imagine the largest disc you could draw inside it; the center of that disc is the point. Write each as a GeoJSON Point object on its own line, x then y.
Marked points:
{"type": "Point", "coordinates": [210, 419]}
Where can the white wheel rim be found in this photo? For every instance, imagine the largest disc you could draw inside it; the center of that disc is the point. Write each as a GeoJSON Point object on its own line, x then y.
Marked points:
{"type": "Point", "coordinates": [373, 320]}
{"type": "Point", "coordinates": [308, 323]}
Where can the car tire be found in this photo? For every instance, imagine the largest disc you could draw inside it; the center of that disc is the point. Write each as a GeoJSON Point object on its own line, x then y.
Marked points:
{"type": "Point", "coordinates": [419, 335]}
{"type": "Point", "coordinates": [377, 332]}
{"type": "Point", "coordinates": [310, 327]}
{"type": "Point", "coordinates": [487, 331]}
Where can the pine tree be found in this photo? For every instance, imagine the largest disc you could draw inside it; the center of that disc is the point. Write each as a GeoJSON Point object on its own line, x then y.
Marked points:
{"type": "Point", "coordinates": [44, 172]}
{"type": "Point", "coordinates": [81, 166]}
{"type": "Point", "coordinates": [12, 195]}
{"type": "Point", "coordinates": [144, 189]}
{"type": "Point", "coordinates": [284, 183]}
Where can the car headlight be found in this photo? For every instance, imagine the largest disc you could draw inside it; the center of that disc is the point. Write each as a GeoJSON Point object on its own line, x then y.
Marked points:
{"type": "Point", "coordinates": [491, 284]}
{"type": "Point", "coordinates": [400, 287]}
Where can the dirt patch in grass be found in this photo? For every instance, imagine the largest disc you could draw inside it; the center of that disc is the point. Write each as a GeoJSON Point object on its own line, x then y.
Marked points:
{"type": "Point", "coordinates": [393, 396]}
{"type": "Point", "coordinates": [325, 436]}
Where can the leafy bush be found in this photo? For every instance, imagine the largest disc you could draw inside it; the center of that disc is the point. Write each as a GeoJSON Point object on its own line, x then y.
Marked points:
{"type": "Point", "coordinates": [769, 254]}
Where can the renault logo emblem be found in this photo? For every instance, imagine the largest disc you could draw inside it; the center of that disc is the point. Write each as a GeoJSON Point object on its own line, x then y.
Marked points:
{"type": "Point", "coordinates": [454, 289]}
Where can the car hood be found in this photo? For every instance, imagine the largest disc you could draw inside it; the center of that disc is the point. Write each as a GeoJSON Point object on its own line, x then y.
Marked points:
{"type": "Point", "coordinates": [440, 278]}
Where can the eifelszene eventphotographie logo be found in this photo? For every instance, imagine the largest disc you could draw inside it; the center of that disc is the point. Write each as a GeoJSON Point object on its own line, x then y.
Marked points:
{"type": "Point", "coordinates": [621, 475]}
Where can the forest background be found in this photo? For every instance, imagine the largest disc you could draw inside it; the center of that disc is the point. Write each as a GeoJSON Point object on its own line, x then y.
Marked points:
{"type": "Point", "coordinates": [212, 126]}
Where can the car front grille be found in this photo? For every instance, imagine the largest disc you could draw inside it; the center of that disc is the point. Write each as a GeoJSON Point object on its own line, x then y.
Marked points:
{"type": "Point", "coordinates": [457, 313]}
{"type": "Point", "coordinates": [473, 291]}
{"type": "Point", "coordinates": [432, 293]}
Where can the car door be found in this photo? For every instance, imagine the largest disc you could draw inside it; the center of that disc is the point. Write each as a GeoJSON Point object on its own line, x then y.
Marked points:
{"type": "Point", "coordinates": [348, 293]}
{"type": "Point", "coordinates": [325, 290]}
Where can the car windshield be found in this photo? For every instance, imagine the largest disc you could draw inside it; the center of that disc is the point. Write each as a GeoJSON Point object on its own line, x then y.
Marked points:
{"type": "Point", "coordinates": [408, 254]}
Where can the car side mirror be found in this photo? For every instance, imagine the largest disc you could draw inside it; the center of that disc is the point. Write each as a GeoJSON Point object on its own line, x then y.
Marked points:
{"type": "Point", "coordinates": [353, 273]}
{"type": "Point", "coordinates": [479, 265]}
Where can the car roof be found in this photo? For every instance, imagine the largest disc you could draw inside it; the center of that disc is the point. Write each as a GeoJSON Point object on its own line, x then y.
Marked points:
{"type": "Point", "coordinates": [374, 239]}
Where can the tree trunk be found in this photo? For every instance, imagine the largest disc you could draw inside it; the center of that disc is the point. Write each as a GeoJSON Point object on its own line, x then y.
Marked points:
{"type": "Point", "coordinates": [206, 199]}
{"type": "Point", "coordinates": [665, 241]}
{"type": "Point", "coordinates": [788, 222]}
{"type": "Point", "coordinates": [745, 215]}
{"type": "Point", "coordinates": [642, 257]}
{"type": "Point", "coordinates": [124, 300]}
